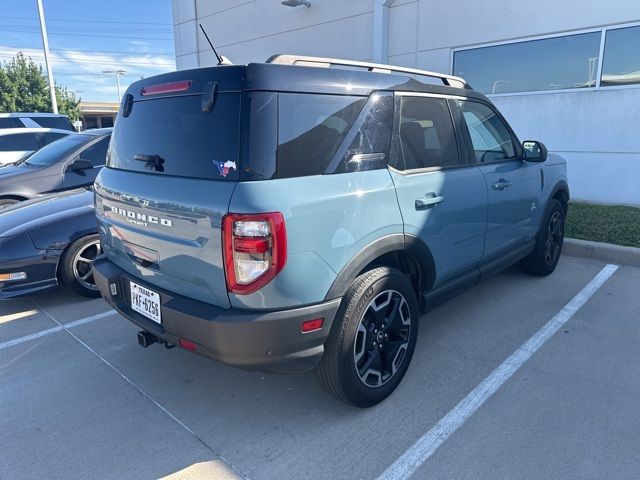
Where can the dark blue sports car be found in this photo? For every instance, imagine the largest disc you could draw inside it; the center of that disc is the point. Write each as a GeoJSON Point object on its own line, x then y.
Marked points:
{"type": "Point", "coordinates": [47, 240]}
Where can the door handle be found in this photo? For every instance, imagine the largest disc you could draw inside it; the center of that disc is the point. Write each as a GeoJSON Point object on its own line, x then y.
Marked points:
{"type": "Point", "coordinates": [501, 184]}
{"type": "Point", "coordinates": [430, 200]}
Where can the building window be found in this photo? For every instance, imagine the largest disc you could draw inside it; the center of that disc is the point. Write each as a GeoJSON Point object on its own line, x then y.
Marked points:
{"type": "Point", "coordinates": [621, 57]}
{"type": "Point", "coordinates": [558, 63]}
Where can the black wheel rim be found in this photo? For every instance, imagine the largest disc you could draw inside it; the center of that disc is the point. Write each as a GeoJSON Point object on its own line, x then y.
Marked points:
{"type": "Point", "coordinates": [382, 338]}
{"type": "Point", "coordinates": [82, 264]}
{"type": "Point", "coordinates": [553, 242]}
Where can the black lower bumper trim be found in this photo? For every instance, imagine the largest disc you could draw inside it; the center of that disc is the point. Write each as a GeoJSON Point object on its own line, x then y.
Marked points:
{"type": "Point", "coordinates": [254, 340]}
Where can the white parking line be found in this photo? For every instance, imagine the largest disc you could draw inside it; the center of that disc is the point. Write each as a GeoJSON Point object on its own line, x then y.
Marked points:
{"type": "Point", "coordinates": [228, 475]}
{"type": "Point", "coordinates": [429, 443]}
{"type": "Point", "coordinates": [59, 328]}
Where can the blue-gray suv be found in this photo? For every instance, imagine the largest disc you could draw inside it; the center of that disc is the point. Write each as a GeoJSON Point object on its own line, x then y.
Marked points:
{"type": "Point", "coordinates": [285, 217]}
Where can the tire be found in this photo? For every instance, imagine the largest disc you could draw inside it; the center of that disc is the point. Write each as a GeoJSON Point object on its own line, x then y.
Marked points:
{"type": "Point", "coordinates": [75, 265]}
{"type": "Point", "coordinates": [6, 202]}
{"type": "Point", "coordinates": [544, 258]}
{"type": "Point", "coordinates": [379, 309]}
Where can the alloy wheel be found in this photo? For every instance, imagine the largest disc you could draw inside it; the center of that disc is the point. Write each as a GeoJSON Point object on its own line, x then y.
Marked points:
{"type": "Point", "coordinates": [554, 238]}
{"type": "Point", "coordinates": [82, 264]}
{"type": "Point", "coordinates": [382, 338]}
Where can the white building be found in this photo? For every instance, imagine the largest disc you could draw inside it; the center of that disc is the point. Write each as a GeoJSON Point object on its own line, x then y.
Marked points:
{"type": "Point", "coordinates": [540, 61]}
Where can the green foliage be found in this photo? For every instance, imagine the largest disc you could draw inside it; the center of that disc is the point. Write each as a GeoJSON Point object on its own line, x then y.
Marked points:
{"type": "Point", "coordinates": [24, 88]}
{"type": "Point", "coordinates": [604, 223]}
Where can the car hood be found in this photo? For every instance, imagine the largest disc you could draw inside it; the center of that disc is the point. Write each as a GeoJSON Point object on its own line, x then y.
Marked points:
{"type": "Point", "coordinates": [47, 209]}
{"type": "Point", "coordinates": [12, 173]}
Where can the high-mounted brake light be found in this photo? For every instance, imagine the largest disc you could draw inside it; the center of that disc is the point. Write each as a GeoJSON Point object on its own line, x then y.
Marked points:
{"type": "Point", "coordinates": [255, 250]}
{"type": "Point", "coordinates": [180, 86]}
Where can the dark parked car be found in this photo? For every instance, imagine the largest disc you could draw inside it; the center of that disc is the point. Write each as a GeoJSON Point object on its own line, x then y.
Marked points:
{"type": "Point", "coordinates": [47, 240]}
{"type": "Point", "coordinates": [71, 162]}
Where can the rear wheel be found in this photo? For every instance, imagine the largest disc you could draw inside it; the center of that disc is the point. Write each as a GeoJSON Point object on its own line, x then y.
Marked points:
{"type": "Point", "coordinates": [76, 265]}
{"type": "Point", "coordinates": [372, 338]}
{"type": "Point", "coordinates": [6, 202]}
{"type": "Point", "coordinates": [544, 258]}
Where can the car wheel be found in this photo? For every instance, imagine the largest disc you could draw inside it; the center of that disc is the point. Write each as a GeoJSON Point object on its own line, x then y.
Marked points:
{"type": "Point", "coordinates": [544, 258]}
{"type": "Point", "coordinates": [76, 264]}
{"type": "Point", "coordinates": [372, 338]}
{"type": "Point", "coordinates": [6, 202]}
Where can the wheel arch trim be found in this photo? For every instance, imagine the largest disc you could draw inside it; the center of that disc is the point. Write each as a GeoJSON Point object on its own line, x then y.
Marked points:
{"type": "Point", "coordinates": [397, 242]}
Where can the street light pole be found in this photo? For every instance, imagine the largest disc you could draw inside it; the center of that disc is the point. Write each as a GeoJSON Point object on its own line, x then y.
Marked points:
{"type": "Point", "coordinates": [117, 73]}
{"type": "Point", "coordinates": [45, 44]}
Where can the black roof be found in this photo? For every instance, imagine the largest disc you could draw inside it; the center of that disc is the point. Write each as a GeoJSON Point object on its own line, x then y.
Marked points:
{"type": "Point", "coordinates": [296, 78]}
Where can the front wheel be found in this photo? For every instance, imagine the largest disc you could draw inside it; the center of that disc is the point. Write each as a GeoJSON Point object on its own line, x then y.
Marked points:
{"type": "Point", "coordinates": [544, 258]}
{"type": "Point", "coordinates": [372, 338]}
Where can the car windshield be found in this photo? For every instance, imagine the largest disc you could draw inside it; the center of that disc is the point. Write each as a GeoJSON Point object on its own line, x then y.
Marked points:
{"type": "Point", "coordinates": [55, 151]}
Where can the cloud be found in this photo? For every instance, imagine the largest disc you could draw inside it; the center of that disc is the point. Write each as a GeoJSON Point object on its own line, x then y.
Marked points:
{"type": "Point", "coordinates": [82, 71]}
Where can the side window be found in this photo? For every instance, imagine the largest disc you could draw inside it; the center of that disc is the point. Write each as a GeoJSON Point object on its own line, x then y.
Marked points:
{"type": "Point", "coordinates": [49, 137]}
{"type": "Point", "coordinates": [62, 123]}
{"type": "Point", "coordinates": [10, 122]}
{"type": "Point", "coordinates": [311, 127]}
{"type": "Point", "coordinates": [490, 137]}
{"type": "Point", "coordinates": [426, 134]}
{"type": "Point", "coordinates": [96, 153]}
{"type": "Point", "coordinates": [368, 145]}
{"type": "Point", "coordinates": [19, 142]}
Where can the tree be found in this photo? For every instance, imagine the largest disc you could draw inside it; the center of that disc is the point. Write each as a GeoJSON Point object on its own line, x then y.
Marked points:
{"type": "Point", "coordinates": [24, 88]}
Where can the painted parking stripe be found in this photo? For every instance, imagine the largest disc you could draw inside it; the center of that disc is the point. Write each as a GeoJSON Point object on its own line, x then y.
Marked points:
{"type": "Point", "coordinates": [429, 443]}
{"type": "Point", "coordinates": [59, 328]}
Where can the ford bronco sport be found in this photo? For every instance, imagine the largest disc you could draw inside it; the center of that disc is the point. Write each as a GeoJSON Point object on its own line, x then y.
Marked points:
{"type": "Point", "coordinates": [285, 217]}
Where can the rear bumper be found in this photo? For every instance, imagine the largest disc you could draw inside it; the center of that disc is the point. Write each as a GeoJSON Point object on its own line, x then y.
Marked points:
{"type": "Point", "coordinates": [250, 339]}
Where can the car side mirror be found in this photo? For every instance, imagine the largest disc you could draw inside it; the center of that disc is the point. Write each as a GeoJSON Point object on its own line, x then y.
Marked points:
{"type": "Point", "coordinates": [80, 164]}
{"type": "Point", "coordinates": [361, 162]}
{"type": "Point", "coordinates": [534, 151]}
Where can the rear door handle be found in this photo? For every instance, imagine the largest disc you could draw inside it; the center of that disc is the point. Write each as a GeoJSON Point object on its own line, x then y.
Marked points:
{"type": "Point", "coordinates": [501, 184]}
{"type": "Point", "coordinates": [430, 200]}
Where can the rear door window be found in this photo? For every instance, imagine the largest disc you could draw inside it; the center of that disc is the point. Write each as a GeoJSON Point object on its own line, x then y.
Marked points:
{"type": "Point", "coordinates": [19, 142]}
{"type": "Point", "coordinates": [426, 134]}
{"type": "Point", "coordinates": [173, 136]}
{"type": "Point", "coordinates": [311, 127]}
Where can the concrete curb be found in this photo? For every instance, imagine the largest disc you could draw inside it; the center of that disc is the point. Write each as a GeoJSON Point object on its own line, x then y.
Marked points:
{"type": "Point", "coordinates": [602, 251]}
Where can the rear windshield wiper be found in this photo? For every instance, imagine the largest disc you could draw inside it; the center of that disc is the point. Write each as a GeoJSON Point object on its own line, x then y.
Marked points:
{"type": "Point", "coordinates": [154, 162]}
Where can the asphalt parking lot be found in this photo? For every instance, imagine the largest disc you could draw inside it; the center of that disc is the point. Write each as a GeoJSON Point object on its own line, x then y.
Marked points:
{"type": "Point", "coordinates": [80, 399]}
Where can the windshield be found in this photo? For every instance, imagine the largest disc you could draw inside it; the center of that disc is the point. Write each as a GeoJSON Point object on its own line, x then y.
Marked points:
{"type": "Point", "coordinates": [56, 151]}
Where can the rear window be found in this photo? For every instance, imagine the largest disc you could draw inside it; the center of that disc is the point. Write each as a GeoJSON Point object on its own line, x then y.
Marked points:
{"type": "Point", "coordinates": [19, 142]}
{"type": "Point", "coordinates": [10, 122]}
{"type": "Point", "coordinates": [311, 127]}
{"type": "Point", "coordinates": [173, 136]}
{"type": "Point", "coordinates": [54, 122]}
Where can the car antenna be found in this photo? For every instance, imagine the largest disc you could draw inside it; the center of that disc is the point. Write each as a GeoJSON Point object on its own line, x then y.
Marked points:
{"type": "Point", "coordinates": [220, 59]}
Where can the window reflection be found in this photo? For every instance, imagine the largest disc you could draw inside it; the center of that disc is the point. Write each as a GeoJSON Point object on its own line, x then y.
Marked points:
{"type": "Point", "coordinates": [621, 57]}
{"type": "Point", "coordinates": [548, 64]}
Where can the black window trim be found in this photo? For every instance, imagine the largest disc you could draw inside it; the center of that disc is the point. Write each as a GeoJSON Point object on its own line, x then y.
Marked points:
{"type": "Point", "coordinates": [395, 138]}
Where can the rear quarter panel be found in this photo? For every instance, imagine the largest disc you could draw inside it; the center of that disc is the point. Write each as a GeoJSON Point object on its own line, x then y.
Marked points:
{"type": "Point", "coordinates": [329, 220]}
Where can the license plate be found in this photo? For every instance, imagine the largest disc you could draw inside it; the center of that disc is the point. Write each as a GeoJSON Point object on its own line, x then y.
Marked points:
{"type": "Point", "coordinates": [145, 302]}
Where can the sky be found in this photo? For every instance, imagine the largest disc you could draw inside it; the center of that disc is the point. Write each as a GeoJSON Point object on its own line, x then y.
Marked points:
{"type": "Point", "coordinates": [87, 37]}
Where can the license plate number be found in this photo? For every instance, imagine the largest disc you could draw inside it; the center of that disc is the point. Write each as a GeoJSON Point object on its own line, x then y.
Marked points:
{"type": "Point", "coordinates": [145, 302]}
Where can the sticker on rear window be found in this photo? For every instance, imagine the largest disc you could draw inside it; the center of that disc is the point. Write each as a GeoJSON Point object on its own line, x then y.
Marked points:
{"type": "Point", "coordinates": [225, 167]}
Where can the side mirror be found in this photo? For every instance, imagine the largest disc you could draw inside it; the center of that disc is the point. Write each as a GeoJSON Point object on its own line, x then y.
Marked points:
{"type": "Point", "coordinates": [534, 151]}
{"type": "Point", "coordinates": [80, 164]}
{"type": "Point", "coordinates": [361, 162]}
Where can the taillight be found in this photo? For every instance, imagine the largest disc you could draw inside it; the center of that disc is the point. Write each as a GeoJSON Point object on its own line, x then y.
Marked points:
{"type": "Point", "coordinates": [255, 250]}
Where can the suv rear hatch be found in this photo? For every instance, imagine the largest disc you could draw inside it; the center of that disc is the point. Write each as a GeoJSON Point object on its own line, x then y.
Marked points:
{"type": "Point", "coordinates": [171, 170]}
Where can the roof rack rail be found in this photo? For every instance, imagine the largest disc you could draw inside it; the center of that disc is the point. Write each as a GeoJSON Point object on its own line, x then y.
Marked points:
{"type": "Point", "coordinates": [302, 60]}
